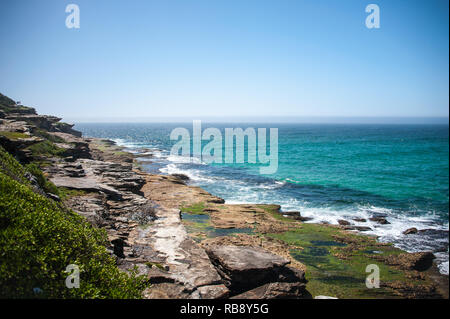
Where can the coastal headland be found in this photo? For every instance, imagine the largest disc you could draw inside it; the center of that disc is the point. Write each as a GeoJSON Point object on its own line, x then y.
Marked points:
{"type": "Point", "coordinates": [187, 243]}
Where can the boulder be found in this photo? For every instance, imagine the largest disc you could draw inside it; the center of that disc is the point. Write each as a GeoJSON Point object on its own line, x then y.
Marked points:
{"type": "Point", "coordinates": [379, 220]}
{"type": "Point", "coordinates": [358, 228]}
{"type": "Point", "coordinates": [244, 268]}
{"type": "Point", "coordinates": [343, 222]}
{"type": "Point", "coordinates": [412, 230]}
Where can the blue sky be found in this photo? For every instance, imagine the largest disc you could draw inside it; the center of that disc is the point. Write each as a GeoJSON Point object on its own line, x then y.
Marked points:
{"type": "Point", "coordinates": [195, 58]}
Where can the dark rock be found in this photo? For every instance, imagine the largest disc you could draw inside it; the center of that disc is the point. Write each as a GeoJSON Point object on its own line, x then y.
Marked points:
{"type": "Point", "coordinates": [420, 261]}
{"type": "Point", "coordinates": [379, 220]}
{"type": "Point", "coordinates": [343, 222]}
{"type": "Point", "coordinates": [183, 177]}
{"type": "Point", "coordinates": [54, 197]}
{"type": "Point", "coordinates": [361, 220]}
{"type": "Point", "coordinates": [216, 200]}
{"type": "Point", "coordinates": [359, 228]}
{"type": "Point", "coordinates": [412, 230]}
{"type": "Point", "coordinates": [295, 215]}
{"type": "Point", "coordinates": [157, 276]}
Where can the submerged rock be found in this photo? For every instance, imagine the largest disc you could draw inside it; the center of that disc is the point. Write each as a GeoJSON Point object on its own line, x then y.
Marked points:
{"type": "Point", "coordinates": [379, 220]}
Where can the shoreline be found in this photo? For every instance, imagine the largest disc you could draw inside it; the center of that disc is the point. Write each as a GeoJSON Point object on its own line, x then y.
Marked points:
{"type": "Point", "coordinates": [440, 279]}
{"type": "Point", "coordinates": [381, 218]}
{"type": "Point", "coordinates": [382, 226]}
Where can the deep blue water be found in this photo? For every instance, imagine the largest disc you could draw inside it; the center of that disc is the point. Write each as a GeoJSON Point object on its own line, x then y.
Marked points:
{"type": "Point", "coordinates": [326, 172]}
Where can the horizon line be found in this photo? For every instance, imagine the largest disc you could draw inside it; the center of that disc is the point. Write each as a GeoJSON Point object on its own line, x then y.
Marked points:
{"type": "Point", "coordinates": [266, 119]}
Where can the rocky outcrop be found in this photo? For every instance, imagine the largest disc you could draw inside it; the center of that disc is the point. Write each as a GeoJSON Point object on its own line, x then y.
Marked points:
{"type": "Point", "coordinates": [409, 231]}
{"type": "Point", "coordinates": [343, 222]}
{"type": "Point", "coordinates": [45, 122]}
{"type": "Point", "coordinates": [420, 261]}
{"type": "Point", "coordinates": [251, 272]}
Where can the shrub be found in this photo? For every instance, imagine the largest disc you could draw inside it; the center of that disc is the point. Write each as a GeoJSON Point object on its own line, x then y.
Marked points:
{"type": "Point", "coordinates": [46, 148]}
{"type": "Point", "coordinates": [43, 182]}
{"type": "Point", "coordinates": [39, 239]}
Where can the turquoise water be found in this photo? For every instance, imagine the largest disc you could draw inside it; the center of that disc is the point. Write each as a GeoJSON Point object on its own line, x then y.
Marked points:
{"type": "Point", "coordinates": [327, 172]}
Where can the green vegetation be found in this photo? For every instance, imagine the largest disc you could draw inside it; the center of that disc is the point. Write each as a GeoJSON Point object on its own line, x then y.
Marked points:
{"type": "Point", "coordinates": [194, 208]}
{"type": "Point", "coordinates": [39, 239]}
{"type": "Point", "coordinates": [336, 261]}
{"type": "Point", "coordinates": [45, 135]}
{"type": "Point", "coordinates": [43, 182]}
{"type": "Point", "coordinates": [273, 210]}
{"type": "Point", "coordinates": [65, 193]}
{"type": "Point", "coordinates": [13, 135]}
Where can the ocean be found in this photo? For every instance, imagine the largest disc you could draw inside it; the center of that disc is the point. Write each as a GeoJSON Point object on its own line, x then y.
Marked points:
{"type": "Point", "coordinates": [327, 172]}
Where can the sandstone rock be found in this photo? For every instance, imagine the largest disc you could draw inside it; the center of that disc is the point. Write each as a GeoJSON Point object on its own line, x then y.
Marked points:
{"type": "Point", "coordinates": [244, 268]}
{"type": "Point", "coordinates": [420, 261]}
{"type": "Point", "coordinates": [214, 291]}
{"type": "Point", "coordinates": [277, 290]}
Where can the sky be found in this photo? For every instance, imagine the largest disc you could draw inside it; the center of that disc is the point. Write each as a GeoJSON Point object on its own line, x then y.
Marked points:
{"type": "Point", "coordinates": [146, 60]}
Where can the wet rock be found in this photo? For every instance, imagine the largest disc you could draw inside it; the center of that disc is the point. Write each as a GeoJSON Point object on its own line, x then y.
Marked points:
{"type": "Point", "coordinates": [360, 220]}
{"type": "Point", "coordinates": [295, 215]}
{"type": "Point", "coordinates": [379, 220]}
{"type": "Point", "coordinates": [343, 222]}
{"type": "Point", "coordinates": [358, 228]}
{"type": "Point", "coordinates": [214, 292]}
{"type": "Point", "coordinates": [412, 230]}
{"type": "Point", "coordinates": [183, 177]}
